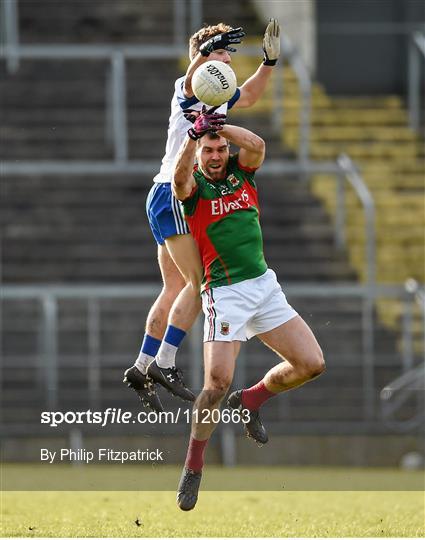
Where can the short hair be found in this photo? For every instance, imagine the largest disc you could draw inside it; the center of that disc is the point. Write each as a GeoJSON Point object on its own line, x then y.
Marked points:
{"type": "Point", "coordinates": [203, 35]}
{"type": "Point", "coordinates": [213, 135]}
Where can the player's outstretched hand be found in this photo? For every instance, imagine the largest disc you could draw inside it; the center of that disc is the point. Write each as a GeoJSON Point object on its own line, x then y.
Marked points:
{"type": "Point", "coordinates": [271, 43]}
{"type": "Point", "coordinates": [222, 41]}
{"type": "Point", "coordinates": [192, 114]}
{"type": "Point", "coordinates": [208, 120]}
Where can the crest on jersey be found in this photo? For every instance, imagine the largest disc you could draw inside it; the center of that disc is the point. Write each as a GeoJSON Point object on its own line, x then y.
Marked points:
{"type": "Point", "coordinates": [233, 180]}
{"type": "Point", "coordinates": [225, 328]}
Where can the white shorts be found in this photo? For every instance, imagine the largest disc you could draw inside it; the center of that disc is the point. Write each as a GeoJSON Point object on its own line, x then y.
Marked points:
{"type": "Point", "coordinates": [240, 311]}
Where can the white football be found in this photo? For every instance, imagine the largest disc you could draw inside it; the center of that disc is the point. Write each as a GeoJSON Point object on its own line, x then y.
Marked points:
{"type": "Point", "coordinates": [214, 83]}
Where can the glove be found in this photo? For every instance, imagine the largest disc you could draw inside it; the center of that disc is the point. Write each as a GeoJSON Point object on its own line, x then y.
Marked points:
{"type": "Point", "coordinates": [222, 41]}
{"type": "Point", "coordinates": [206, 121]}
{"type": "Point", "coordinates": [192, 114]}
{"type": "Point", "coordinates": [271, 43]}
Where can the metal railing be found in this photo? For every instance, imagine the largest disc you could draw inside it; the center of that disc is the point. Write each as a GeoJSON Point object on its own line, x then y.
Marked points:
{"type": "Point", "coordinates": [416, 58]}
{"type": "Point", "coordinates": [352, 174]}
{"type": "Point", "coordinates": [344, 170]}
{"type": "Point", "coordinates": [182, 10]}
{"type": "Point", "coordinates": [49, 296]}
{"type": "Point", "coordinates": [116, 95]}
{"type": "Point", "coordinates": [410, 386]}
{"type": "Point", "coordinates": [12, 51]}
{"type": "Point", "coordinates": [116, 102]}
{"type": "Point", "coordinates": [354, 178]}
{"type": "Point", "coordinates": [414, 296]}
{"type": "Point", "coordinates": [9, 28]}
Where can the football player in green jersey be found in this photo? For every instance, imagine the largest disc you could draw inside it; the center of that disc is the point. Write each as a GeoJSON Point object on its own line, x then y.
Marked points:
{"type": "Point", "coordinates": [241, 297]}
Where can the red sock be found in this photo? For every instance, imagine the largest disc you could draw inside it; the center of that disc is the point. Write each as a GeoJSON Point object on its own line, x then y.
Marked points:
{"type": "Point", "coordinates": [195, 454]}
{"type": "Point", "coordinates": [254, 397]}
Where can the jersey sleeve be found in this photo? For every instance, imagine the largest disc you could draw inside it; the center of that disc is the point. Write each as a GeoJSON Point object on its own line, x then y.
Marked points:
{"type": "Point", "coordinates": [234, 98]}
{"type": "Point", "coordinates": [184, 101]}
{"type": "Point", "coordinates": [248, 172]}
{"type": "Point", "coordinates": [189, 204]}
{"type": "Point", "coordinates": [188, 102]}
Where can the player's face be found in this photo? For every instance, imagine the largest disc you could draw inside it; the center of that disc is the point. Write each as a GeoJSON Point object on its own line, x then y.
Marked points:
{"type": "Point", "coordinates": [221, 55]}
{"type": "Point", "coordinates": [213, 155]}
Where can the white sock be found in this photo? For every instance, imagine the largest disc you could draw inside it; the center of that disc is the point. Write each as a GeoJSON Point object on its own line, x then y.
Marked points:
{"type": "Point", "coordinates": [142, 362]}
{"type": "Point", "coordinates": [166, 357]}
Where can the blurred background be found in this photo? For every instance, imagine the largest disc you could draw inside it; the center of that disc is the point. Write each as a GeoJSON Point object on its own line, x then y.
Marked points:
{"type": "Point", "coordinates": [85, 97]}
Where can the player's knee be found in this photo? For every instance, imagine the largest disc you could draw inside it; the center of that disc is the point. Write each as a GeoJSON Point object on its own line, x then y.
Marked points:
{"type": "Point", "coordinates": [193, 280]}
{"type": "Point", "coordinates": [219, 383]}
{"type": "Point", "coordinates": [172, 288]}
{"type": "Point", "coordinates": [164, 301]}
{"type": "Point", "coordinates": [193, 287]}
{"type": "Point", "coordinates": [210, 397]}
{"type": "Point", "coordinates": [316, 364]}
{"type": "Point", "coordinates": [310, 365]}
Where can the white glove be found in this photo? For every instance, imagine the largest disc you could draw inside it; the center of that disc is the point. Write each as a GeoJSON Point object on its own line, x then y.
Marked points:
{"type": "Point", "coordinates": [271, 43]}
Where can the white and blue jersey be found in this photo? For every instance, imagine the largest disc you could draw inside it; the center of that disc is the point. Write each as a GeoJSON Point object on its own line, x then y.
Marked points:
{"type": "Point", "coordinates": [163, 210]}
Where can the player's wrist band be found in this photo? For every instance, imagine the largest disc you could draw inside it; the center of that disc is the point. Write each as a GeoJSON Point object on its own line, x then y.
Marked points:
{"type": "Point", "coordinates": [206, 49]}
{"type": "Point", "coordinates": [268, 62]}
{"type": "Point", "coordinates": [193, 135]}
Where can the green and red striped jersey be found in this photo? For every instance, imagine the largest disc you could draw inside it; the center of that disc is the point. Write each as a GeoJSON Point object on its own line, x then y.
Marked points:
{"type": "Point", "coordinates": [223, 217]}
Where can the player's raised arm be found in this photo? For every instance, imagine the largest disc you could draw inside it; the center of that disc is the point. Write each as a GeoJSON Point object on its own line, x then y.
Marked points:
{"type": "Point", "coordinates": [220, 45]}
{"type": "Point", "coordinates": [252, 147]}
{"type": "Point", "coordinates": [183, 181]}
{"type": "Point", "coordinates": [253, 88]}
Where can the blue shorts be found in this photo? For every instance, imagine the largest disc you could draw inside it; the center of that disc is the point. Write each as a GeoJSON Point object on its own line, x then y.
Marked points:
{"type": "Point", "coordinates": [164, 213]}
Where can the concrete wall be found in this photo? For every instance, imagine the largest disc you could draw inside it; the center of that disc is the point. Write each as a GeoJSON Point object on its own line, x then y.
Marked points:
{"type": "Point", "coordinates": [298, 21]}
{"type": "Point", "coordinates": [362, 45]}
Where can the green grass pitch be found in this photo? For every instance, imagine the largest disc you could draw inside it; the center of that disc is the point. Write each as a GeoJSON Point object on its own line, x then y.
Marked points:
{"type": "Point", "coordinates": [218, 513]}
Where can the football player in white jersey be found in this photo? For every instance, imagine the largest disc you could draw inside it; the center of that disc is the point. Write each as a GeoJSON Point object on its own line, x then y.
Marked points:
{"type": "Point", "coordinates": [177, 306]}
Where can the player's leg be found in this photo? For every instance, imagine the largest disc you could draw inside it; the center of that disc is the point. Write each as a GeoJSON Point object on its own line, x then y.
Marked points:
{"type": "Point", "coordinates": [219, 366]}
{"type": "Point", "coordinates": [219, 360]}
{"type": "Point", "coordinates": [156, 322]}
{"type": "Point", "coordinates": [187, 304]}
{"type": "Point", "coordinates": [136, 376]}
{"type": "Point", "coordinates": [302, 360]}
{"type": "Point", "coordinates": [279, 326]}
{"type": "Point", "coordinates": [226, 316]}
{"type": "Point", "coordinates": [185, 254]}
{"type": "Point", "coordinates": [182, 314]}
{"type": "Point", "coordinates": [302, 357]}
{"type": "Point", "coordinates": [163, 222]}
